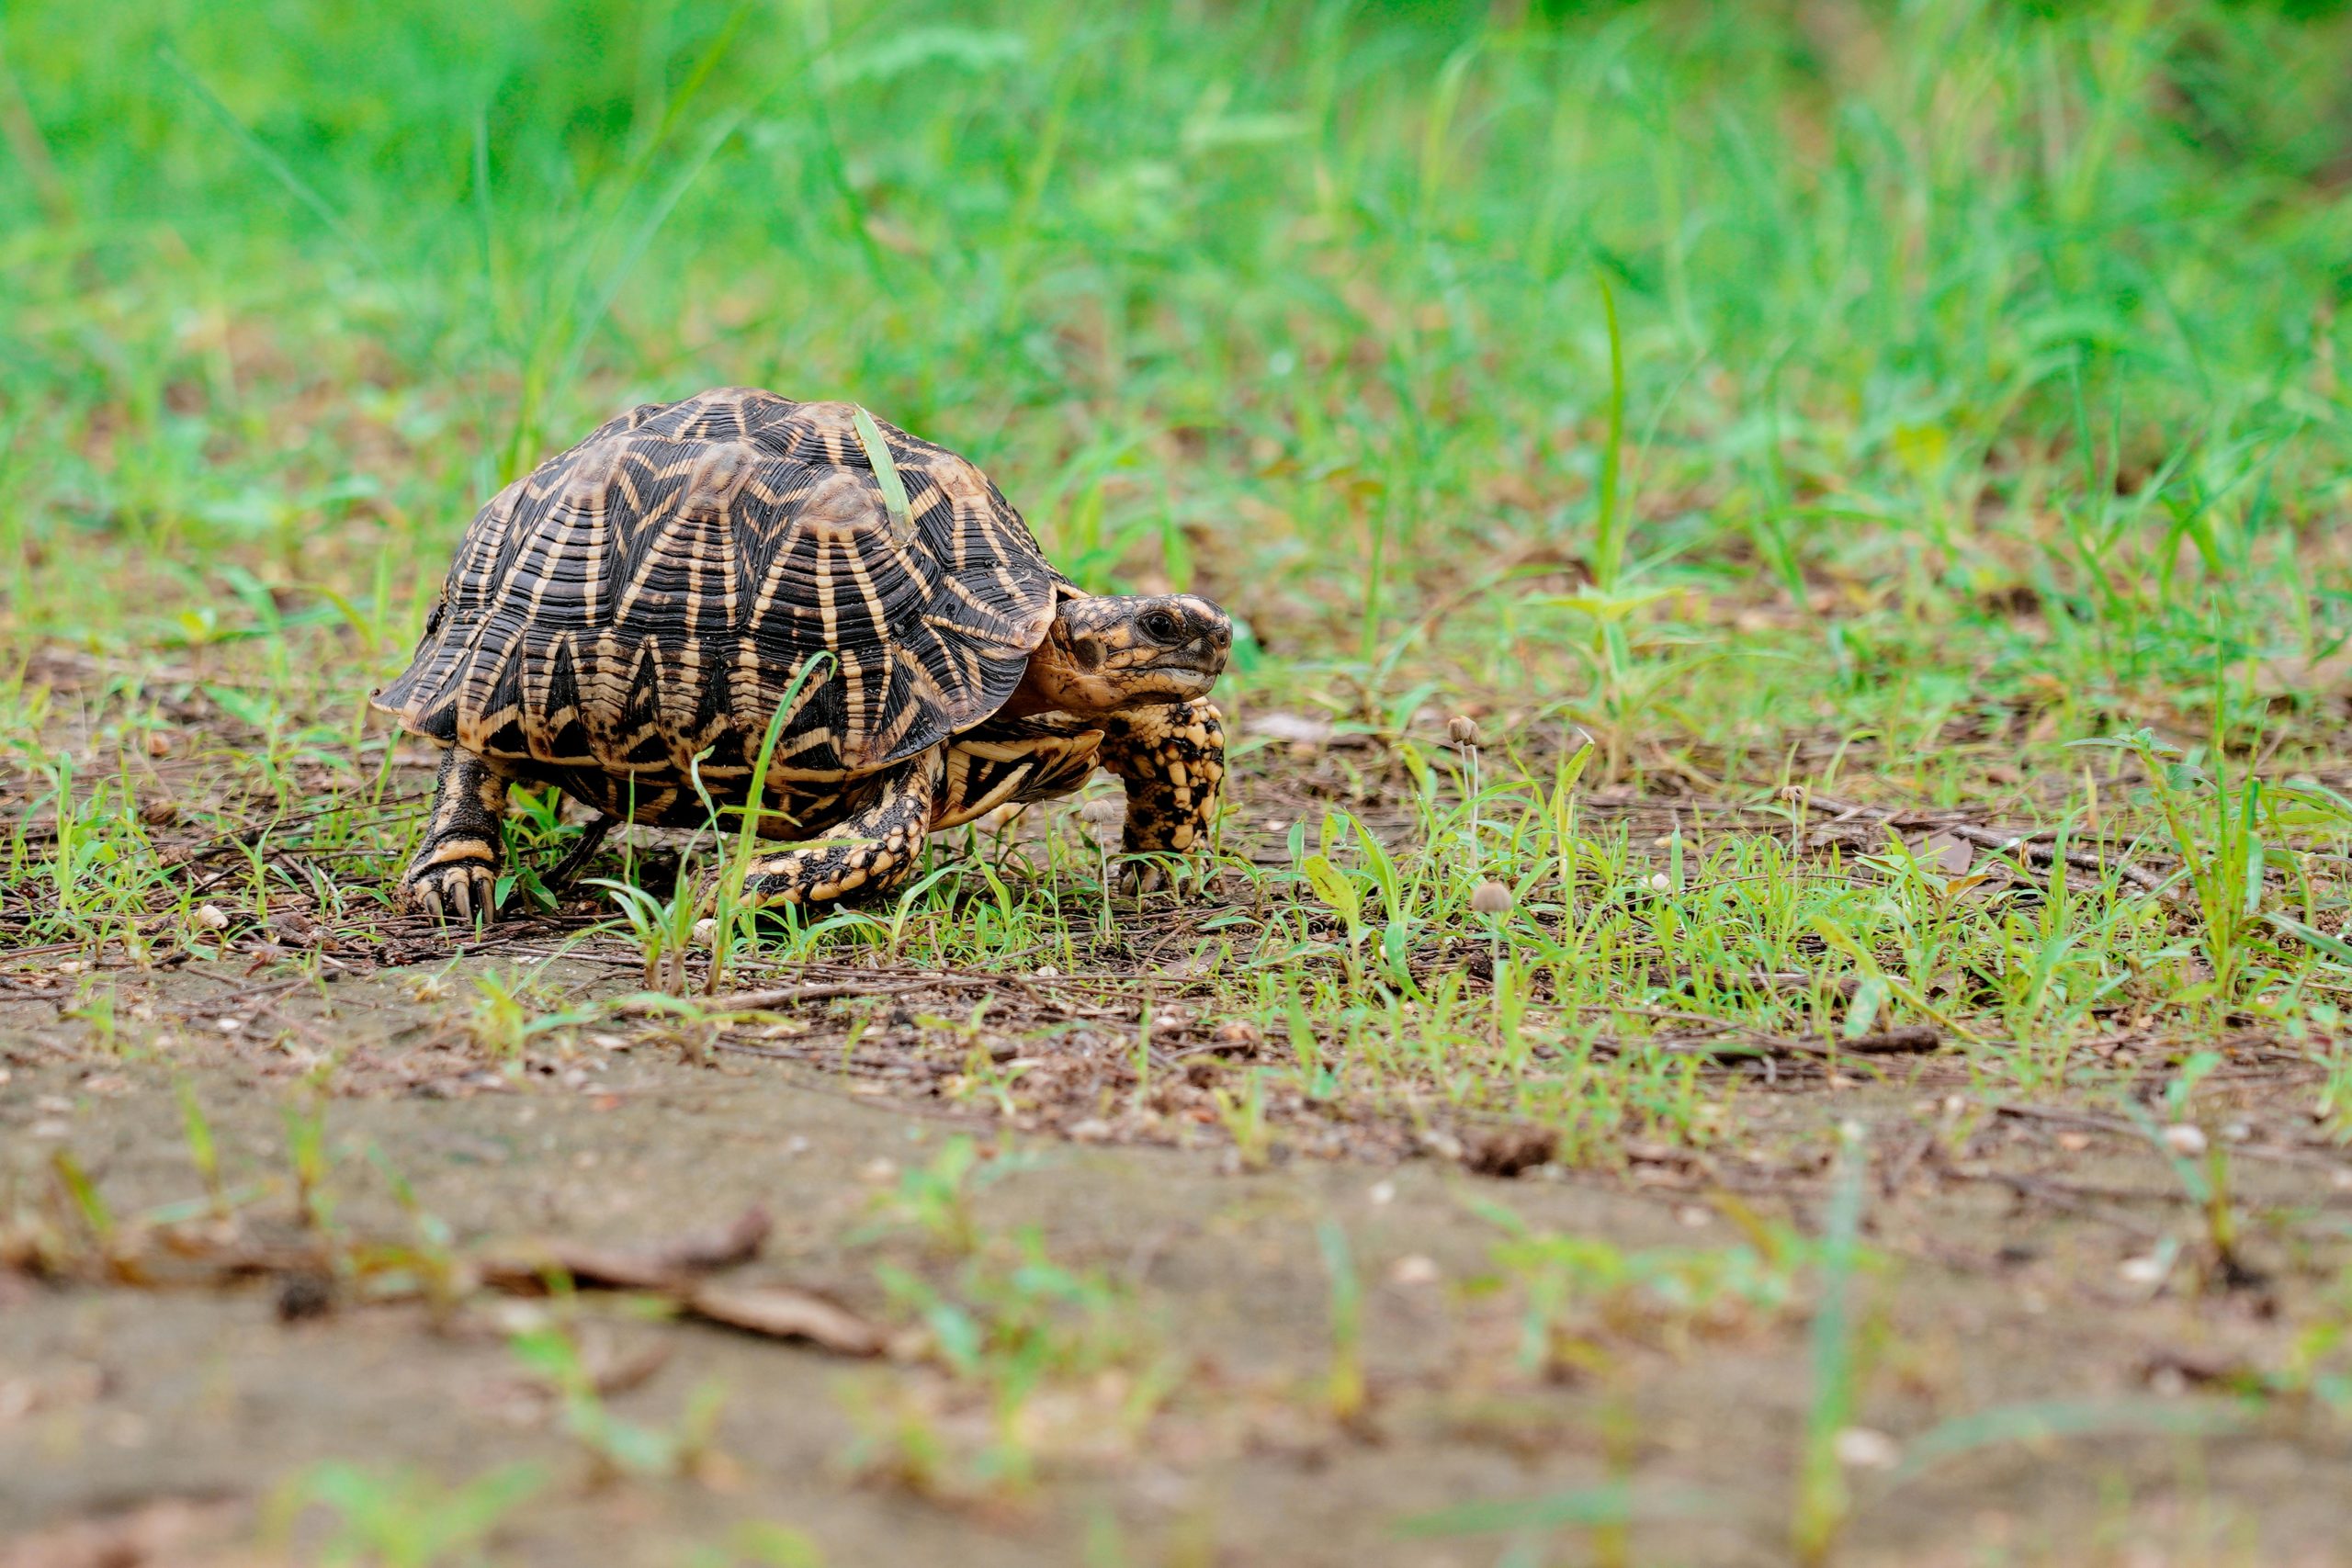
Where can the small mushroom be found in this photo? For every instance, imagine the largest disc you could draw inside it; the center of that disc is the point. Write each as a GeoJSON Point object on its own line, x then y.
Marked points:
{"type": "Point", "coordinates": [1491, 897]}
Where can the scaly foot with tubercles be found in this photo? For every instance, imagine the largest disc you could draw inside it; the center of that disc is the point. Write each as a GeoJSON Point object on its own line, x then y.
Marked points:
{"type": "Point", "coordinates": [453, 875]}
{"type": "Point", "coordinates": [1171, 758]}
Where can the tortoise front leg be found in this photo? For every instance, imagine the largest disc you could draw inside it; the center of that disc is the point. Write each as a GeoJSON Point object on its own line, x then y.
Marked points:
{"type": "Point", "coordinates": [1171, 758]}
{"type": "Point", "coordinates": [872, 850]}
{"type": "Point", "coordinates": [456, 869]}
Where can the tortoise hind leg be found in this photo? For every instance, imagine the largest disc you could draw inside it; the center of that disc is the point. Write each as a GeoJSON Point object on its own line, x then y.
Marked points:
{"type": "Point", "coordinates": [872, 850]}
{"type": "Point", "coordinates": [455, 872]}
{"type": "Point", "coordinates": [584, 850]}
{"type": "Point", "coordinates": [1171, 758]}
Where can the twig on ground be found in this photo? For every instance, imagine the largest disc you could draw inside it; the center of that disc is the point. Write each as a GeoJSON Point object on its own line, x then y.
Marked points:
{"type": "Point", "coordinates": [1994, 839]}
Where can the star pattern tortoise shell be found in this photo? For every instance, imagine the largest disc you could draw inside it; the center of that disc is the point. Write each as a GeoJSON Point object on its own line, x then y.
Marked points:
{"type": "Point", "coordinates": [702, 580]}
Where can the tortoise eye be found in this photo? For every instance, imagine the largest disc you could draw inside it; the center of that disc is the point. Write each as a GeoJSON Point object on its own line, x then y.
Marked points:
{"type": "Point", "coordinates": [1160, 627]}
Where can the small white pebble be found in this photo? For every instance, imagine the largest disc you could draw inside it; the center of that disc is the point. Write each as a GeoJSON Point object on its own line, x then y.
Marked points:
{"type": "Point", "coordinates": [2237, 1133]}
{"type": "Point", "coordinates": [705, 932]}
{"type": "Point", "coordinates": [2148, 1270]}
{"type": "Point", "coordinates": [518, 1317]}
{"type": "Point", "coordinates": [1382, 1192]}
{"type": "Point", "coordinates": [796, 1144]}
{"type": "Point", "coordinates": [228, 1025]}
{"type": "Point", "coordinates": [1865, 1447]}
{"type": "Point", "coordinates": [611, 1041]}
{"type": "Point", "coordinates": [1693, 1217]}
{"type": "Point", "coordinates": [212, 917]}
{"type": "Point", "coordinates": [1660, 883]}
{"type": "Point", "coordinates": [1046, 972]}
{"type": "Point", "coordinates": [1413, 1269]}
{"type": "Point", "coordinates": [879, 1170]}
{"type": "Point", "coordinates": [70, 966]}
{"type": "Point", "coordinates": [2183, 1138]}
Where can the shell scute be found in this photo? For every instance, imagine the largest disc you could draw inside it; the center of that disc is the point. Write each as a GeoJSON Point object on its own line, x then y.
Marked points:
{"type": "Point", "coordinates": [651, 596]}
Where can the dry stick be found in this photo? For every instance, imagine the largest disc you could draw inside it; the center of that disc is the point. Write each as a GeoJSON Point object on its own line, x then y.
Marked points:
{"type": "Point", "coordinates": [877, 984]}
{"type": "Point", "coordinates": [1993, 838]}
{"type": "Point", "coordinates": [1782, 979]}
{"type": "Point", "coordinates": [1911, 1037]}
{"type": "Point", "coordinates": [751, 1001]}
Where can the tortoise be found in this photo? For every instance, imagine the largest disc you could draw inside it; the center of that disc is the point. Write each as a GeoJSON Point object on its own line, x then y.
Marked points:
{"type": "Point", "coordinates": [702, 582]}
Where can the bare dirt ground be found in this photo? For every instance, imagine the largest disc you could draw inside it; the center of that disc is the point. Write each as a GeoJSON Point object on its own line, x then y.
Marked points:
{"type": "Point", "coordinates": [1068, 1314]}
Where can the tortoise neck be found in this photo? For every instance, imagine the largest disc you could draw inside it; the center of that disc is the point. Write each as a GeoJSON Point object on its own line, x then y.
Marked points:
{"type": "Point", "coordinates": [1036, 693]}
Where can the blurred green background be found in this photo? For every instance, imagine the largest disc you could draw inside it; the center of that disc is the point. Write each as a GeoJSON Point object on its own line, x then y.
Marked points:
{"type": "Point", "coordinates": [1962, 341]}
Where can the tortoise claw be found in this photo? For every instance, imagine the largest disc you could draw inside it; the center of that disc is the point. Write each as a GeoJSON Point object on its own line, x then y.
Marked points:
{"type": "Point", "coordinates": [464, 890]}
{"type": "Point", "coordinates": [1146, 875]}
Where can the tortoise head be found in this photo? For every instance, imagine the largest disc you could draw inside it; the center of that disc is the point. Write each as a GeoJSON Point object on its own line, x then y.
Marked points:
{"type": "Point", "coordinates": [1125, 649]}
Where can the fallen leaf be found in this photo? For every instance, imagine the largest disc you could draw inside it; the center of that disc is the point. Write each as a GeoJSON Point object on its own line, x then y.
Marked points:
{"type": "Point", "coordinates": [1953, 855]}
{"type": "Point", "coordinates": [1297, 729]}
{"type": "Point", "coordinates": [523, 1266]}
{"type": "Point", "coordinates": [786, 1311]}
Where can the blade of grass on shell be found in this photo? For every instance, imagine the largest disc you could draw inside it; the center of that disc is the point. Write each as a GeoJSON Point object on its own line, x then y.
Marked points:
{"type": "Point", "coordinates": [894, 489]}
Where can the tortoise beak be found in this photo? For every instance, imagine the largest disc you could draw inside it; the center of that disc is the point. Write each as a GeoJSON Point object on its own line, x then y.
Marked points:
{"type": "Point", "coordinates": [1201, 651]}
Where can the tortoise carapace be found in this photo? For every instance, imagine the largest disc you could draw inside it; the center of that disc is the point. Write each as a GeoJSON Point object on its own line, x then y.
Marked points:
{"type": "Point", "coordinates": [635, 615]}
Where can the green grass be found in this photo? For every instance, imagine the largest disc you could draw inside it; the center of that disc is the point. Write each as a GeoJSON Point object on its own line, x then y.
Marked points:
{"type": "Point", "coordinates": [1891, 405]}
{"type": "Point", "coordinates": [1800, 436]}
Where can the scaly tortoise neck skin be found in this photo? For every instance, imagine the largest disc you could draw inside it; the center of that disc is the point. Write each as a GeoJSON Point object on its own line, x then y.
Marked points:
{"type": "Point", "coordinates": [626, 623]}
